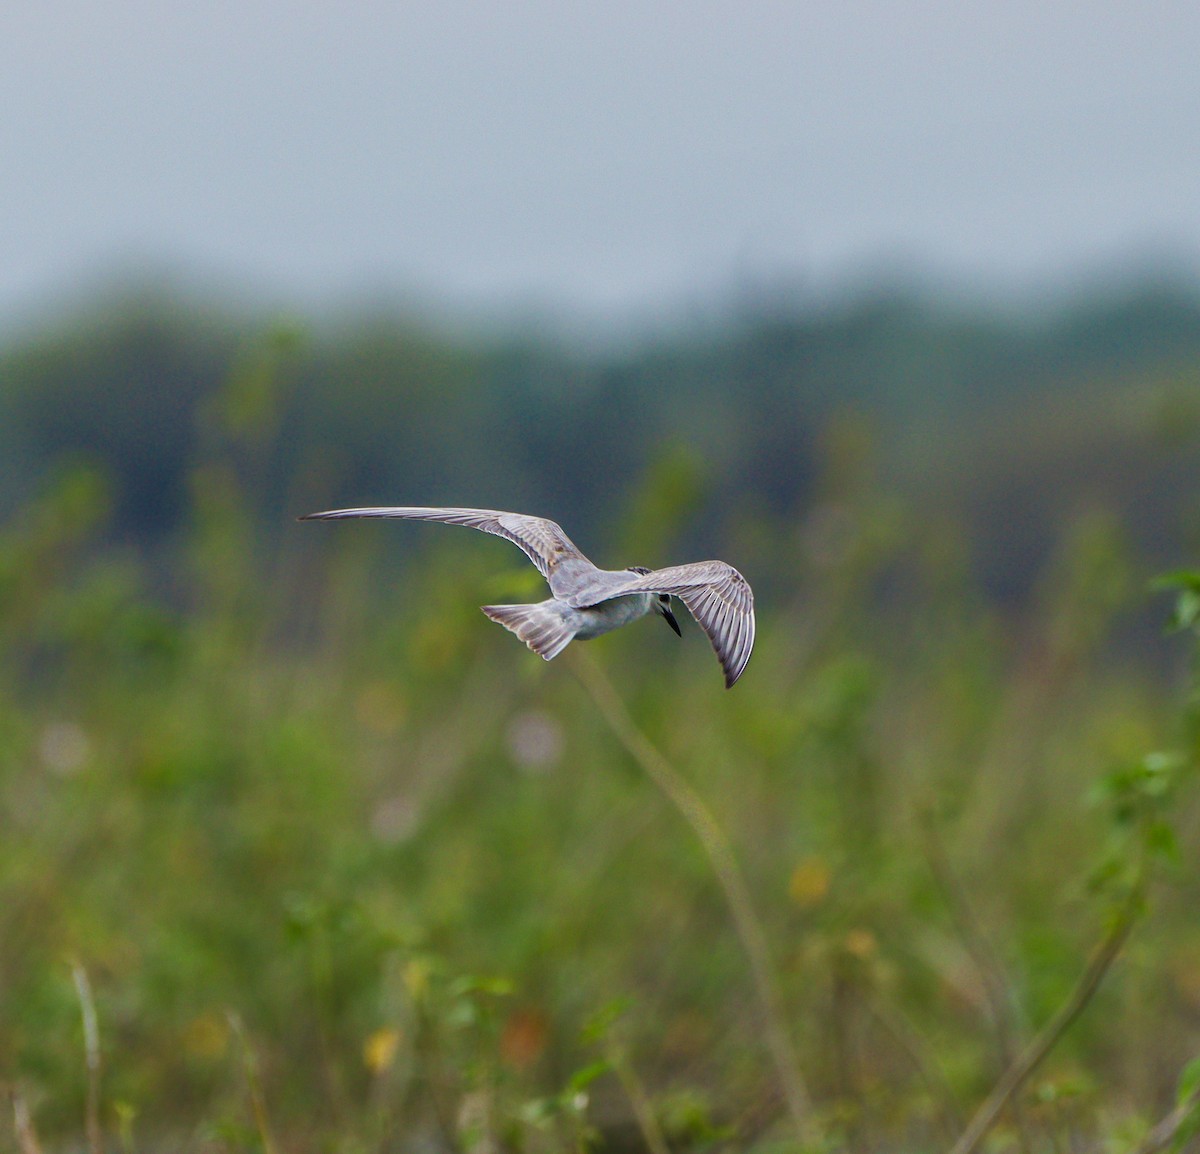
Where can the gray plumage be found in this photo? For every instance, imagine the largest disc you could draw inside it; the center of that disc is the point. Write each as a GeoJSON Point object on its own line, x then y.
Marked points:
{"type": "Point", "coordinates": [588, 601]}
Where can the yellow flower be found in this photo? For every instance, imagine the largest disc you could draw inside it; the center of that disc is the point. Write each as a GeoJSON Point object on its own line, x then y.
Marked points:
{"type": "Point", "coordinates": [206, 1036]}
{"type": "Point", "coordinates": [379, 1050]}
{"type": "Point", "coordinates": [861, 944]}
{"type": "Point", "coordinates": [809, 883]}
{"type": "Point", "coordinates": [416, 978]}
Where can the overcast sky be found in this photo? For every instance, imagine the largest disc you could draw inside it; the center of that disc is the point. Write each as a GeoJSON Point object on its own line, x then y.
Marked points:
{"type": "Point", "coordinates": [603, 156]}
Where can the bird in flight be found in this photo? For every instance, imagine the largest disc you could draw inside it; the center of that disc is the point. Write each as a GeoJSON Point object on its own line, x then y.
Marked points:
{"type": "Point", "coordinates": [587, 601]}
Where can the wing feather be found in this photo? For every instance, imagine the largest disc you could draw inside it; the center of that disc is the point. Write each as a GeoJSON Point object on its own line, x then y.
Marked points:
{"type": "Point", "coordinates": [718, 597]}
{"type": "Point", "coordinates": [542, 540]}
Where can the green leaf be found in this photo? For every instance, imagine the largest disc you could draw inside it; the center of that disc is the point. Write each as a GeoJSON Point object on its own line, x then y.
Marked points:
{"type": "Point", "coordinates": [1187, 610]}
{"type": "Point", "coordinates": [496, 987]}
{"type": "Point", "coordinates": [469, 985]}
{"type": "Point", "coordinates": [1177, 579]}
{"type": "Point", "coordinates": [538, 1111]}
{"type": "Point", "coordinates": [597, 1027]}
{"type": "Point", "coordinates": [1164, 761]}
{"type": "Point", "coordinates": [1162, 842]}
{"type": "Point", "coordinates": [583, 1078]}
{"type": "Point", "coordinates": [1189, 1081]}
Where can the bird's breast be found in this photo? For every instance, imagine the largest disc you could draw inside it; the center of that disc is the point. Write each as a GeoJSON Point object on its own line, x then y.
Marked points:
{"type": "Point", "coordinates": [612, 614]}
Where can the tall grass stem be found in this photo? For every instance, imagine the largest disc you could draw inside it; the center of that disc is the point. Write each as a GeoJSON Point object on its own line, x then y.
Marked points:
{"type": "Point", "coordinates": [643, 1108]}
{"type": "Point", "coordinates": [27, 1139]}
{"type": "Point", "coordinates": [1031, 1057]}
{"type": "Point", "coordinates": [258, 1103]}
{"type": "Point", "coordinates": [91, 1050]}
{"type": "Point", "coordinates": [724, 864]}
{"type": "Point", "coordinates": [997, 986]}
{"type": "Point", "coordinates": [1165, 1132]}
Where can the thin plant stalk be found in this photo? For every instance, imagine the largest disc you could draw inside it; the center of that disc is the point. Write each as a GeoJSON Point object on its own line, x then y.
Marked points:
{"type": "Point", "coordinates": [91, 1049]}
{"type": "Point", "coordinates": [1031, 1057]}
{"type": "Point", "coordinates": [643, 1108]}
{"type": "Point", "coordinates": [725, 867]}
{"type": "Point", "coordinates": [1165, 1132]}
{"type": "Point", "coordinates": [258, 1104]}
{"type": "Point", "coordinates": [998, 988]}
{"type": "Point", "coordinates": [27, 1139]}
{"type": "Point", "coordinates": [923, 1060]}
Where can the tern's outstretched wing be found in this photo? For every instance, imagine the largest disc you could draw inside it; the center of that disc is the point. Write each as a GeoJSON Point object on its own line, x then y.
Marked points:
{"type": "Point", "coordinates": [718, 597]}
{"type": "Point", "coordinates": [544, 542]}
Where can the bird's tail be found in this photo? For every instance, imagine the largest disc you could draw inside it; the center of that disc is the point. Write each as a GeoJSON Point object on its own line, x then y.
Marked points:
{"type": "Point", "coordinates": [541, 626]}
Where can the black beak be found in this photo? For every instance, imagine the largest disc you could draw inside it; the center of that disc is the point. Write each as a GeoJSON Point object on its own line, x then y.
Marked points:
{"type": "Point", "coordinates": [672, 622]}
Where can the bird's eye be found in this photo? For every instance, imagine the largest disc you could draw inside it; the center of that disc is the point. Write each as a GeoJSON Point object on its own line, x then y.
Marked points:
{"type": "Point", "coordinates": [664, 599]}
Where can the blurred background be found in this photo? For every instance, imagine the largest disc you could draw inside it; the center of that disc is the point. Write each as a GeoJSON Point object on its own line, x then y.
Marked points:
{"type": "Point", "coordinates": [895, 307]}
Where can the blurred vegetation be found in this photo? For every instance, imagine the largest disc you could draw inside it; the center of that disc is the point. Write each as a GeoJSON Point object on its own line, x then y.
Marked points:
{"type": "Point", "coordinates": [1008, 427]}
{"type": "Point", "coordinates": [343, 867]}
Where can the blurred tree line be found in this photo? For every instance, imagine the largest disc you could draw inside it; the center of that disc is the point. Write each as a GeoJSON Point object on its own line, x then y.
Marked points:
{"type": "Point", "coordinates": [1007, 426]}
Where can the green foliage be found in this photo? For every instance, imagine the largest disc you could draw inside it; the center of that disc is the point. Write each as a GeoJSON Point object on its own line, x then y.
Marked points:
{"type": "Point", "coordinates": [348, 869]}
{"type": "Point", "coordinates": [1186, 584]}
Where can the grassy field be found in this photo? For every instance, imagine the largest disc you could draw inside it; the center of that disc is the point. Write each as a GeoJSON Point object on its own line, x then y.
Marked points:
{"type": "Point", "coordinates": [335, 864]}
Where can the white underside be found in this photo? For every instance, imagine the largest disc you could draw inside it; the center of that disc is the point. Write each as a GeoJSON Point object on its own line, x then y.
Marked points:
{"type": "Point", "coordinates": [608, 615]}
{"type": "Point", "coordinates": [548, 627]}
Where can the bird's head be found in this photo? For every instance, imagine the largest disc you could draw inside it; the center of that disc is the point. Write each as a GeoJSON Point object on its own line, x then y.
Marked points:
{"type": "Point", "coordinates": [662, 605]}
{"type": "Point", "coordinates": [662, 601]}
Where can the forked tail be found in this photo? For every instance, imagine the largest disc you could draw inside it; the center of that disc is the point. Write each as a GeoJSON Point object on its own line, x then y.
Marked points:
{"type": "Point", "coordinates": [541, 626]}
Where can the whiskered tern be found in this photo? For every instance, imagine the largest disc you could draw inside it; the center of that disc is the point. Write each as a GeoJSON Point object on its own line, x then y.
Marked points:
{"type": "Point", "coordinates": [588, 601]}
